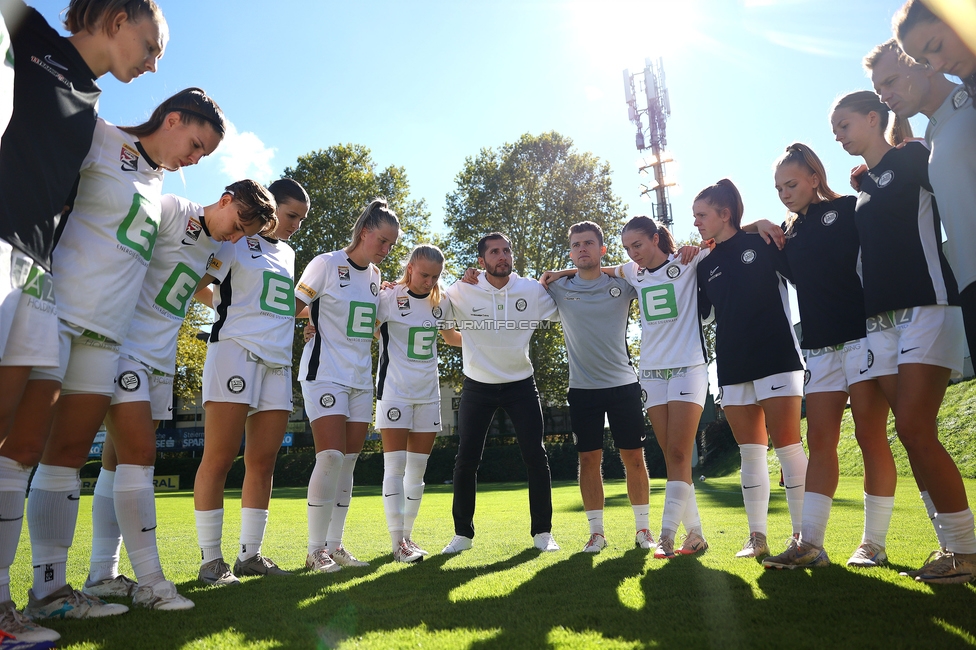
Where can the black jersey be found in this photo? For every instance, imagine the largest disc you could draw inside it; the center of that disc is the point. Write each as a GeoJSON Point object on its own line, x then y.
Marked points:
{"type": "Point", "coordinates": [897, 219]}
{"type": "Point", "coordinates": [753, 334]}
{"type": "Point", "coordinates": [821, 254]}
{"type": "Point", "coordinates": [50, 131]}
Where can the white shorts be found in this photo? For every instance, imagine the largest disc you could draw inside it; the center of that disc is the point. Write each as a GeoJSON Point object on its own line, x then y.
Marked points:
{"type": "Point", "coordinates": [89, 362]}
{"type": "Point", "coordinates": [233, 374]}
{"type": "Point", "coordinates": [28, 317]}
{"type": "Point", "coordinates": [933, 335]}
{"type": "Point", "coordinates": [835, 368]}
{"type": "Point", "coordinates": [418, 418]}
{"type": "Point", "coordinates": [137, 382]}
{"type": "Point", "coordinates": [783, 384]}
{"type": "Point", "coordinates": [323, 398]}
{"type": "Point", "coordinates": [658, 387]}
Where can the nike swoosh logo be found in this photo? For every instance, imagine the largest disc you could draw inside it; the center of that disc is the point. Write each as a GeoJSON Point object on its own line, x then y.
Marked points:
{"type": "Point", "coordinates": [437, 424]}
{"type": "Point", "coordinates": [405, 313]}
{"type": "Point", "coordinates": [749, 487]}
{"type": "Point", "coordinates": [477, 309]}
{"type": "Point", "coordinates": [71, 498]}
{"type": "Point", "coordinates": [187, 243]}
{"type": "Point", "coordinates": [342, 286]}
{"type": "Point", "coordinates": [146, 530]}
{"type": "Point", "coordinates": [50, 61]}
{"type": "Point", "coordinates": [684, 393]}
{"type": "Point", "coordinates": [313, 505]}
{"type": "Point", "coordinates": [391, 495]}
{"type": "Point", "coordinates": [862, 371]}
{"type": "Point", "coordinates": [254, 257]}
{"type": "Point", "coordinates": [12, 519]}
{"type": "Point", "coordinates": [412, 499]}
{"type": "Point", "coordinates": [777, 387]}
{"type": "Point", "coordinates": [342, 505]}
{"type": "Point", "coordinates": [910, 349]}
{"type": "Point", "coordinates": [792, 487]}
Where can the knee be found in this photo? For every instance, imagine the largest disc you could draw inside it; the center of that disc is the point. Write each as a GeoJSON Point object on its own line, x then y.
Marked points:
{"type": "Point", "coordinates": [677, 456]}
{"type": "Point", "coordinates": [258, 467]}
{"type": "Point", "coordinates": [215, 465]}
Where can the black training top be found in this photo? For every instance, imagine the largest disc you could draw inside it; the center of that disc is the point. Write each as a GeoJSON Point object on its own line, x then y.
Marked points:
{"type": "Point", "coordinates": [821, 254]}
{"type": "Point", "coordinates": [50, 131]}
{"type": "Point", "coordinates": [753, 334]}
{"type": "Point", "coordinates": [902, 263]}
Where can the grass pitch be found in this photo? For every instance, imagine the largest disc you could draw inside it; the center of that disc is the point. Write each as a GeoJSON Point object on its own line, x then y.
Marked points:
{"type": "Point", "coordinates": [504, 594]}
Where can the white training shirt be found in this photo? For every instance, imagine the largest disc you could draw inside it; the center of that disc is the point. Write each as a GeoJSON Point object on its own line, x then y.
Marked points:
{"type": "Point", "coordinates": [497, 324]}
{"type": "Point", "coordinates": [104, 251]}
{"type": "Point", "coordinates": [255, 297]}
{"type": "Point", "coordinates": [184, 249]}
{"type": "Point", "coordinates": [407, 369]}
{"type": "Point", "coordinates": [667, 298]}
{"type": "Point", "coordinates": [341, 298]}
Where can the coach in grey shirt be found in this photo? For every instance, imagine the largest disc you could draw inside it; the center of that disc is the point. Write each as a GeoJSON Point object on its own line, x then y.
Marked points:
{"type": "Point", "coordinates": [594, 309]}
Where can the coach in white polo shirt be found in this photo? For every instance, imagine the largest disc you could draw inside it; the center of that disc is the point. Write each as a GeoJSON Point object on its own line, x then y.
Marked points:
{"type": "Point", "coordinates": [496, 318]}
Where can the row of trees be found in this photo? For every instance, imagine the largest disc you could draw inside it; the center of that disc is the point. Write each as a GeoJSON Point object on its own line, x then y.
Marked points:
{"type": "Point", "coordinates": [532, 190]}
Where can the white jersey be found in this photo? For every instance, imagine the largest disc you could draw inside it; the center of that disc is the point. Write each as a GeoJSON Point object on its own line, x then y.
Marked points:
{"type": "Point", "coordinates": [183, 251]}
{"type": "Point", "coordinates": [407, 369]}
{"type": "Point", "coordinates": [667, 298]}
{"type": "Point", "coordinates": [255, 299]}
{"type": "Point", "coordinates": [341, 299]}
{"type": "Point", "coordinates": [497, 324]}
{"type": "Point", "coordinates": [104, 251]}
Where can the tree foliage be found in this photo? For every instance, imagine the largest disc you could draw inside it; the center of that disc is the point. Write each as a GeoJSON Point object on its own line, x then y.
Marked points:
{"type": "Point", "coordinates": [532, 190]}
{"type": "Point", "coordinates": [191, 351]}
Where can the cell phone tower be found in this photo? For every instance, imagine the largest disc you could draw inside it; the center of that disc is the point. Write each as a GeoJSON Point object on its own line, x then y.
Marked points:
{"type": "Point", "coordinates": [654, 137]}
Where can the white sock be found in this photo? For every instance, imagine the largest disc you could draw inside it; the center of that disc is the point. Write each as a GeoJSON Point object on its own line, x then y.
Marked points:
{"type": "Point", "coordinates": [254, 522]}
{"type": "Point", "coordinates": [754, 476]}
{"type": "Point", "coordinates": [321, 496]}
{"type": "Point", "coordinates": [877, 518]}
{"type": "Point", "coordinates": [642, 515]}
{"type": "Point", "coordinates": [930, 509]}
{"type": "Point", "coordinates": [957, 530]}
{"type": "Point", "coordinates": [210, 524]}
{"type": "Point", "coordinates": [595, 519]}
{"type": "Point", "coordinates": [135, 508]}
{"type": "Point", "coordinates": [106, 536]}
{"type": "Point", "coordinates": [691, 518]}
{"type": "Point", "coordinates": [13, 490]}
{"type": "Point", "coordinates": [794, 462]}
{"type": "Point", "coordinates": [413, 489]}
{"type": "Point", "coordinates": [675, 503]}
{"type": "Point", "coordinates": [816, 512]}
{"type": "Point", "coordinates": [52, 512]}
{"type": "Point", "coordinates": [341, 509]}
{"type": "Point", "coordinates": [394, 464]}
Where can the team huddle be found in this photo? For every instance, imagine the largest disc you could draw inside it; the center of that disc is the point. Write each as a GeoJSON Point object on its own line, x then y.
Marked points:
{"type": "Point", "coordinates": [98, 268]}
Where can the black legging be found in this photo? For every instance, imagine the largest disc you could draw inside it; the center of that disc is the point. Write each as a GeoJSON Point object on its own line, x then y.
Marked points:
{"type": "Point", "coordinates": [479, 401]}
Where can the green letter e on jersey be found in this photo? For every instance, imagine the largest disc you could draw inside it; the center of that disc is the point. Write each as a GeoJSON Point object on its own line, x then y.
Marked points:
{"type": "Point", "coordinates": [278, 295]}
{"type": "Point", "coordinates": [659, 302]}
{"type": "Point", "coordinates": [420, 343]}
{"type": "Point", "coordinates": [177, 290]}
{"type": "Point", "coordinates": [139, 229]}
{"type": "Point", "coordinates": [362, 320]}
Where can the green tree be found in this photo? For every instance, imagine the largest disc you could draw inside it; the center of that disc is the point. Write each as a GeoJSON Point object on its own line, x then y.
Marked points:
{"type": "Point", "coordinates": [341, 180]}
{"type": "Point", "coordinates": [533, 190]}
{"type": "Point", "coordinates": [191, 351]}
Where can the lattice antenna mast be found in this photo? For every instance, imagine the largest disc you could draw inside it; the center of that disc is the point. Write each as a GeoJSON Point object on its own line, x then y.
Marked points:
{"type": "Point", "coordinates": [654, 138]}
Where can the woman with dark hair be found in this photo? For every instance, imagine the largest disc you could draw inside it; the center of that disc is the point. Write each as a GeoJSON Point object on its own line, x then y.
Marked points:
{"type": "Point", "coordinates": [914, 325]}
{"type": "Point", "coordinates": [340, 291]}
{"type": "Point", "coordinates": [759, 367]}
{"type": "Point", "coordinates": [930, 41]}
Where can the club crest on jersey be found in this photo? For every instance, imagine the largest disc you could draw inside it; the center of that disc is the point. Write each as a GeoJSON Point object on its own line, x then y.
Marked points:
{"type": "Point", "coordinates": [437, 312]}
{"type": "Point", "coordinates": [393, 414]}
{"type": "Point", "coordinates": [748, 256]}
{"type": "Point", "coordinates": [129, 381]}
{"type": "Point", "coordinates": [829, 218]}
{"type": "Point", "coordinates": [520, 304]}
{"type": "Point", "coordinates": [673, 271]}
{"type": "Point", "coordinates": [374, 288]}
{"type": "Point", "coordinates": [254, 245]}
{"type": "Point", "coordinates": [870, 358]}
{"type": "Point", "coordinates": [327, 400]}
{"type": "Point", "coordinates": [615, 292]}
{"type": "Point", "coordinates": [343, 274]}
{"type": "Point", "coordinates": [640, 275]}
{"type": "Point", "coordinates": [885, 178]}
{"type": "Point", "coordinates": [643, 396]}
{"type": "Point", "coordinates": [129, 158]}
{"type": "Point", "coordinates": [806, 377]}
{"type": "Point", "coordinates": [959, 98]}
{"type": "Point", "coordinates": [193, 229]}
{"type": "Point", "coordinates": [236, 384]}
{"type": "Point", "coordinates": [403, 303]}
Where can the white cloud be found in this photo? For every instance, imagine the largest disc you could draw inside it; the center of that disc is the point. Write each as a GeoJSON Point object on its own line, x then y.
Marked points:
{"type": "Point", "coordinates": [243, 155]}
{"type": "Point", "coordinates": [593, 93]}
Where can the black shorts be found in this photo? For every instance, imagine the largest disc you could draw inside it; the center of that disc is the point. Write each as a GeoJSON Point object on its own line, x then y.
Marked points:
{"type": "Point", "coordinates": [621, 406]}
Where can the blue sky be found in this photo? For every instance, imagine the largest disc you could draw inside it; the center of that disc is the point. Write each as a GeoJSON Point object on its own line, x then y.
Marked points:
{"type": "Point", "coordinates": [426, 84]}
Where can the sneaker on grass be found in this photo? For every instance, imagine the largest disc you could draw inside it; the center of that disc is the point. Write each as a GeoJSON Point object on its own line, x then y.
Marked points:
{"type": "Point", "coordinates": [664, 549]}
{"type": "Point", "coordinates": [162, 596]}
{"type": "Point", "coordinates": [868, 555]}
{"type": "Point", "coordinates": [755, 546]}
{"type": "Point", "coordinates": [596, 543]}
{"type": "Point", "coordinates": [949, 568]}
{"type": "Point", "coordinates": [413, 545]}
{"type": "Point", "coordinates": [342, 557]}
{"type": "Point", "coordinates": [320, 562]}
{"type": "Point", "coordinates": [693, 543]}
{"type": "Point", "coordinates": [69, 603]}
{"type": "Point", "coordinates": [258, 565]}
{"type": "Point", "coordinates": [22, 628]}
{"type": "Point", "coordinates": [644, 539]}
{"type": "Point", "coordinates": [117, 587]}
{"type": "Point", "coordinates": [216, 572]}
{"type": "Point", "coordinates": [544, 542]}
{"type": "Point", "coordinates": [797, 557]}
{"type": "Point", "coordinates": [933, 556]}
{"type": "Point", "coordinates": [457, 544]}
{"type": "Point", "coordinates": [403, 553]}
